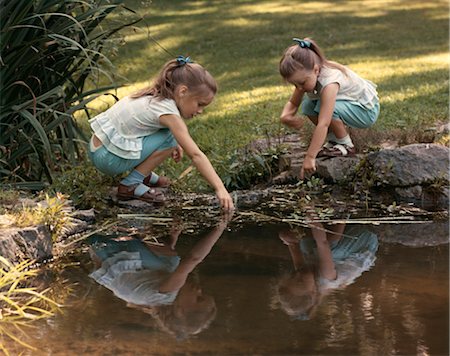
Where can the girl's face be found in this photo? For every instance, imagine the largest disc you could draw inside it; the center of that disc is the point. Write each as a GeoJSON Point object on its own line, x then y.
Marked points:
{"type": "Point", "coordinates": [191, 103]}
{"type": "Point", "coordinates": [305, 79]}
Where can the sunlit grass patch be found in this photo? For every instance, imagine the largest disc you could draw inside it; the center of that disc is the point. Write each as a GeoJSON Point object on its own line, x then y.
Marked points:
{"type": "Point", "coordinates": [401, 45]}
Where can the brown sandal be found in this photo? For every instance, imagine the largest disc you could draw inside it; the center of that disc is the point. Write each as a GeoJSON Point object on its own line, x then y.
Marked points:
{"type": "Point", "coordinates": [340, 151]}
{"type": "Point", "coordinates": [153, 195]}
{"type": "Point", "coordinates": [325, 149]}
{"type": "Point", "coordinates": [162, 182]}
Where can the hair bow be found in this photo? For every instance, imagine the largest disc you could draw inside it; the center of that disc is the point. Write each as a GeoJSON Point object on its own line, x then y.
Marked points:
{"type": "Point", "coordinates": [183, 60]}
{"type": "Point", "coordinates": [302, 43]}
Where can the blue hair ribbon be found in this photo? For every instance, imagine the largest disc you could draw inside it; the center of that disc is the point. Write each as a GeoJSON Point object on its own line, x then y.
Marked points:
{"type": "Point", "coordinates": [183, 60]}
{"type": "Point", "coordinates": [302, 43]}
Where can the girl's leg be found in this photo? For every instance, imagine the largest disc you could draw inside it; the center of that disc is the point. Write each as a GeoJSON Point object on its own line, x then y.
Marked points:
{"type": "Point", "coordinates": [155, 149]}
{"type": "Point", "coordinates": [336, 131]}
{"type": "Point", "coordinates": [337, 134]}
{"type": "Point", "coordinates": [153, 161]}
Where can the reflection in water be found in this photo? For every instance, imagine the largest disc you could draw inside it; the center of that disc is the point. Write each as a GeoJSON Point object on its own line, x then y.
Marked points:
{"type": "Point", "coordinates": [155, 280]}
{"type": "Point", "coordinates": [399, 307]}
{"type": "Point", "coordinates": [332, 259]}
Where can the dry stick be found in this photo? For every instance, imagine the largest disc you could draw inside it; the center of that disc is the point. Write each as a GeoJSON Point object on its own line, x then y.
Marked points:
{"type": "Point", "coordinates": [306, 223]}
{"type": "Point", "coordinates": [85, 236]}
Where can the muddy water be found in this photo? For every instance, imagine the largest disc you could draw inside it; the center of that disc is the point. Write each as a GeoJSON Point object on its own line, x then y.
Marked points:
{"type": "Point", "coordinates": [259, 290]}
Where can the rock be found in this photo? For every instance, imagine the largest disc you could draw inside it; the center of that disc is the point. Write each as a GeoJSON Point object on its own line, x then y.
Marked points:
{"type": "Point", "coordinates": [413, 235]}
{"type": "Point", "coordinates": [409, 193]}
{"type": "Point", "coordinates": [424, 198]}
{"type": "Point", "coordinates": [337, 169]}
{"type": "Point", "coordinates": [85, 215]}
{"type": "Point", "coordinates": [19, 244]}
{"type": "Point", "coordinates": [411, 165]}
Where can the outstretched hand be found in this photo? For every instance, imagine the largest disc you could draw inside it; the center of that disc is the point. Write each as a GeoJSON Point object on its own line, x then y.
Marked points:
{"type": "Point", "coordinates": [288, 236]}
{"type": "Point", "coordinates": [225, 200]}
{"type": "Point", "coordinates": [308, 168]}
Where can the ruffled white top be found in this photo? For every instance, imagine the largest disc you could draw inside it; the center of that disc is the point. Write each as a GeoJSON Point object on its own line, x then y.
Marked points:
{"type": "Point", "coordinates": [348, 270]}
{"type": "Point", "coordinates": [351, 87]}
{"type": "Point", "coordinates": [122, 127]}
{"type": "Point", "coordinates": [125, 276]}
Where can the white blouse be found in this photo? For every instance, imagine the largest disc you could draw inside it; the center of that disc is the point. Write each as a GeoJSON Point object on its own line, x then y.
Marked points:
{"type": "Point", "coordinates": [351, 87]}
{"type": "Point", "coordinates": [122, 127]}
{"type": "Point", "coordinates": [125, 276]}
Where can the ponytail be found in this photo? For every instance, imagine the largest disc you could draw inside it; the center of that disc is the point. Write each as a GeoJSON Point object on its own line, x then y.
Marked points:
{"type": "Point", "coordinates": [304, 55]}
{"type": "Point", "coordinates": [179, 71]}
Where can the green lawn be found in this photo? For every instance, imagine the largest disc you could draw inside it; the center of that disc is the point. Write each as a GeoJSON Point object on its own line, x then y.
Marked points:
{"type": "Point", "coordinates": [401, 45]}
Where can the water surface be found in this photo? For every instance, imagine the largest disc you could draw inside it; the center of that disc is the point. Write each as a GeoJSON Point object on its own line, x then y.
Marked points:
{"type": "Point", "coordinates": [257, 291]}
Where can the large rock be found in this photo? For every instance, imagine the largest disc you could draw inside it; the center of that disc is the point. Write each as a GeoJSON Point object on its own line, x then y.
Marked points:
{"type": "Point", "coordinates": [411, 165]}
{"type": "Point", "coordinates": [19, 244]}
{"type": "Point", "coordinates": [414, 235]}
{"type": "Point", "coordinates": [337, 169]}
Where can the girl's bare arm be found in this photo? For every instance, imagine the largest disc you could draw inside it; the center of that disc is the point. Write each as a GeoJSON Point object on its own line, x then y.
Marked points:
{"type": "Point", "coordinates": [327, 102]}
{"type": "Point", "coordinates": [288, 116]}
{"type": "Point", "coordinates": [180, 131]}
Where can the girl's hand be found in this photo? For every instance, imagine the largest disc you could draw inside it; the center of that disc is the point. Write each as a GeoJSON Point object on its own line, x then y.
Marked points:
{"type": "Point", "coordinates": [288, 237]}
{"type": "Point", "coordinates": [309, 166]}
{"type": "Point", "coordinates": [225, 200]}
{"type": "Point", "coordinates": [177, 154]}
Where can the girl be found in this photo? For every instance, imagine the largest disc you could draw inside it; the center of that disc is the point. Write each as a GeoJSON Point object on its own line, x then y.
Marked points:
{"type": "Point", "coordinates": [336, 97]}
{"type": "Point", "coordinates": [330, 260]}
{"type": "Point", "coordinates": [142, 130]}
{"type": "Point", "coordinates": [155, 279]}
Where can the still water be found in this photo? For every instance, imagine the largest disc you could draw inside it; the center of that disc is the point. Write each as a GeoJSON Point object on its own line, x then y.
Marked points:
{"type": "Point", "coordinates": [262, 290]}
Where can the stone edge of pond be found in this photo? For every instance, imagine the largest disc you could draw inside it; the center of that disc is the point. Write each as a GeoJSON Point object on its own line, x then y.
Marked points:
{"type": "Point", "coordinates": [414, 175]}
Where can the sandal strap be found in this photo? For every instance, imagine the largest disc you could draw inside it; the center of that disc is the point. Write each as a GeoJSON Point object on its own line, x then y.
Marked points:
{"type": "Point", "coordinates": [342, 148]}
{"type": "Point", "coordinates": [141, 189]}
{"type": "Point", "coordinates": [329, 144]}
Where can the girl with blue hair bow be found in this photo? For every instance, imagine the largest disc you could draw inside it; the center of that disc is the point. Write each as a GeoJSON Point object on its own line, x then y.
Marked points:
{"type": "Point", "coordinates": [336, 98]}
{"type": "Point", "coordinates": [140, 131]}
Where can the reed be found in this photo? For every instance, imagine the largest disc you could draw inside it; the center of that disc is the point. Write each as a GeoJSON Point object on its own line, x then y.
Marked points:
{"type": "Point", "coordinates": [50, 65]}
{"type": "Point", "coordinates": [21, 304]}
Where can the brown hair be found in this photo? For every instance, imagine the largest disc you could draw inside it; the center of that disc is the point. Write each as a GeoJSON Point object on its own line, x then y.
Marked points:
{"type": "Point", "coordinates": [297, 58]}
{"type": "Point", "coordinates": [193, 75]}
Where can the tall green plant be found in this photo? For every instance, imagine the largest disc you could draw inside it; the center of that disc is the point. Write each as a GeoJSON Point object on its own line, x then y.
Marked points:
{"type": "Point", "coordinates": [49, 50]}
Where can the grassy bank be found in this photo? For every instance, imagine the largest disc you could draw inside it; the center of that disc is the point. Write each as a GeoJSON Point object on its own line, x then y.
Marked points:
{"type": "Point", "coordinates": [400, 45]}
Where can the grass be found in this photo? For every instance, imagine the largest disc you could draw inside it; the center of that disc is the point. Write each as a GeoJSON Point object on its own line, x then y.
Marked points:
{"type": "Point", "coordinates": [401, 45]}
{"type": "Point", "coordinates": [20, 303]}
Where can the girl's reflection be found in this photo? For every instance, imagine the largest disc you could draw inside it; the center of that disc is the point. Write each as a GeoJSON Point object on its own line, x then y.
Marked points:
{"type": "Point", "coordinates": [156, 280]}
{"type": "Point", "coordinates": [333, 258]}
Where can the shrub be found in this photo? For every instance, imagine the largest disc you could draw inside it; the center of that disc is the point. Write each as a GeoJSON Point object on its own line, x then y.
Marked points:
{"type": "Point", "coordinates": [49, 50]}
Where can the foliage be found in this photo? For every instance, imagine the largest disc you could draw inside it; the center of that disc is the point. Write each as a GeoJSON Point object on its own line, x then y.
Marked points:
{"type": "Point", "coordinates": [54, 212]}
{"type": "Point", "coordinates": [8, 196]}
{"type": "Point", "coordinates": [49, 51]}
{"type": "Point", "coordinates": [86, 186]}
{"type": "Point", "coordinates": [249, 167]}
{"type": "Point", "coordinates": [19, 303]}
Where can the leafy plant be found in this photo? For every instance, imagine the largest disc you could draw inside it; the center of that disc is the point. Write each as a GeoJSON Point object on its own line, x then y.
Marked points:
{"type": "Point", "coordinates": [86, 187]}
{"type": "Point", "coordinates": [19, 303]}
{"type": "Point", "coordinates": [250, 167]}
{"type": "Point", "coordinates": [55, 212]}
{"type": "Point", "coordinates": [49, 51]}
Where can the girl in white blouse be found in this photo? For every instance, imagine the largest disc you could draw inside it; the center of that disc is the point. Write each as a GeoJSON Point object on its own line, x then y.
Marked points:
{"type": "Point", "coordinates": [336, 97]}
{"type": "Point", "coordinates": [142, 130]}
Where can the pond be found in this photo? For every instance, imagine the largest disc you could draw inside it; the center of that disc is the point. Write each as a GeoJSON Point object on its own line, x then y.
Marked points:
{"type": "Point", "coordinates": [344, 289]}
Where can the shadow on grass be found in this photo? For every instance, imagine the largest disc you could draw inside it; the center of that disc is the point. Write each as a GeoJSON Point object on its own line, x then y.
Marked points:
{"type": "Point", "coordinates": [399, 45]}
{"type": "Point", "coordinates": [236, 37]}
